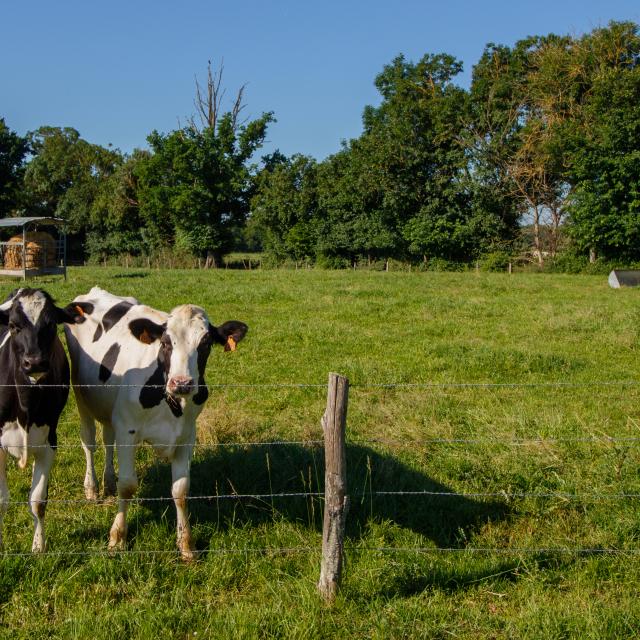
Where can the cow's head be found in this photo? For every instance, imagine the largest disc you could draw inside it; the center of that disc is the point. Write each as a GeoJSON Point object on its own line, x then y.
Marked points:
{"type": "Point", "coordinates": [185, 341]}
{"type": "Point", "coordinates": [31, 317]}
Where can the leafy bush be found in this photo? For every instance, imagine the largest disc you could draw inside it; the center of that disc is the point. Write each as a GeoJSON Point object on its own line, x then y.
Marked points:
{"type": "Point", "coordinates": [332, 262]}
{"type": "Point", "coordinates": [440, 264]}
{"type": "Point", "coordinates": [495, 261]}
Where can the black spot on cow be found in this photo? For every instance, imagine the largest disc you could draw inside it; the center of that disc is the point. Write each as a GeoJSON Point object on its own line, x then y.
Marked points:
{"type": "Point", "coordinates": [154, 389]}
{"type": "Point", "coordinates": [152, 392]}
{"type": "Point", "coordinates": [115, 314]}
{"type": "Point", "coordinates": [108, 362]}
{"type": "Point", "coordinates": [204, 348]}
{"type": "Point", "coordinates": [174, 405]}
{"type": "Point", "coordinates": [98, 333]}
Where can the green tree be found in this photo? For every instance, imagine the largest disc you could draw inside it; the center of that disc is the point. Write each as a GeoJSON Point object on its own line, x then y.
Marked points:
{"type": "Point", "coordinates": [65, 173]}
{"type": "Point", "coordinates": [195, 187]}
{"type": "Point", "coordinates": [355, 223]}
{"type": "Point", "coordinates": [13, 150]}
{"type": "Point", "coordinates": [285, 206]}
{"type": "Point", "coordinates": [605, 154]}
{"type": "Point", "coordinates": [115, 224]}
{"type": "Point", "coordinates": [491, 138]}
{"type": "Point", "coordinates": [515, 134]}
{"type": "Point", "coordinates": [414, 140]}
{"type": "Point", "coordinates": [64, 177]}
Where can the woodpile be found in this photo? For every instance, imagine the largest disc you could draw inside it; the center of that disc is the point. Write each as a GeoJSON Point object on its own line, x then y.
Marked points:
{"type": "Point", "coordinates": [40, 251]}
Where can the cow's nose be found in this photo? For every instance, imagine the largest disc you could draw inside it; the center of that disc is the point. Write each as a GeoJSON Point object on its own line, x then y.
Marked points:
{"type": "Point", "coordinates": [180, 385]}
{"type": "Point", "coordinates": [34, 364]}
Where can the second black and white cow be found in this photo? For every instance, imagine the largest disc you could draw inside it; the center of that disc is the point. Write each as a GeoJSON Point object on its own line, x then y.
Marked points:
{"type": "Point", "coordinates": [34, 379]}
{"type": "Point", "coordinates": [140, 373]}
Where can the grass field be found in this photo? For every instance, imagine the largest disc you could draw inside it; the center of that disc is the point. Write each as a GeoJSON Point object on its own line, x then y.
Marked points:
{"type": "Point", "coordinates": [490, 565]}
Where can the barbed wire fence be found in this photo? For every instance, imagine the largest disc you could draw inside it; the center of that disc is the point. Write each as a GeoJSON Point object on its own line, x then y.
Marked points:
{"type": "Point", "coordinates": [334, 540]}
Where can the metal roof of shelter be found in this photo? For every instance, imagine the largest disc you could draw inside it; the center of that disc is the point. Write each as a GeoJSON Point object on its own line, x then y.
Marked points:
{"type": "Point", "coordinates": [22, 222]}
{"type": "Point", "coordinates": [624, 278]}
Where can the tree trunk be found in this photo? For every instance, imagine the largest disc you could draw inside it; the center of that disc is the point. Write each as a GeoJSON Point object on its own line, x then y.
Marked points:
{"type": "Point", "coordinates": [536, 235]}
{"type": "Point", "coordinates": [212, 261]}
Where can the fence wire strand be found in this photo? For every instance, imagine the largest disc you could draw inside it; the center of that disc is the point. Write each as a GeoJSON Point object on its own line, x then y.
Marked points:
{"type": "Point", "coordinates": [507, 495]}
{"type": "Point", "coordinates": [272, 551]}
{"type": "Point", "coordinates": [352, 385]}
{"type": "Point", "coordinates": [515, 442]}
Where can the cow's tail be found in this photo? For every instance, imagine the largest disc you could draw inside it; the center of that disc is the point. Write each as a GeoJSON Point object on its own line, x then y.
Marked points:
{"type": "Point", "coordinates": [24, 453]}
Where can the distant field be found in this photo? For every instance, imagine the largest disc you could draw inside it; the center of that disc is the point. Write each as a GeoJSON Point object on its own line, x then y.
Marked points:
{"type": "Point", "coordinates": [575, 446]}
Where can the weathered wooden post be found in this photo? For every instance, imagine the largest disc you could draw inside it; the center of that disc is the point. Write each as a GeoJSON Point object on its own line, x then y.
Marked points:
{"type": "Point", "coordinates": [336, 500]}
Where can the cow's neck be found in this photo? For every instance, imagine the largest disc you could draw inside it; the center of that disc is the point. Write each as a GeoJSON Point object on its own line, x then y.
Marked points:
{"type": "Point", "coordinates": [29, 396]}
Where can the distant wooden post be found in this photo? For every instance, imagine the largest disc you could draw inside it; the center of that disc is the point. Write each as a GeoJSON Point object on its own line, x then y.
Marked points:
{"type": "Point", "coordinates": [510, 269]}
{"type": "Point", "coordinates": [336, 501]}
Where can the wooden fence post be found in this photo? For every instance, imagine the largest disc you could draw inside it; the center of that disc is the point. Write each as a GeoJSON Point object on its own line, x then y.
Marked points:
{"type": "Point", "coordinates": [336, 501]}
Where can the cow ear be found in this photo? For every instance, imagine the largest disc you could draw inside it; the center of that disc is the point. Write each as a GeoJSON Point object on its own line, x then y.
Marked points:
{"type": "Point", "coordinates": [229, 334]}
{"type": "Point", "coordinates": [5, 307]}
{"type": "Point", "coordinates": [146, 330]}
{"type": "Point", "coordinates": [74, 313]}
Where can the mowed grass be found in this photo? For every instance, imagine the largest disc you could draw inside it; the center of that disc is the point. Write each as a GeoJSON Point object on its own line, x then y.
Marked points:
{"type": "Point", "coordinates": [489, 565]}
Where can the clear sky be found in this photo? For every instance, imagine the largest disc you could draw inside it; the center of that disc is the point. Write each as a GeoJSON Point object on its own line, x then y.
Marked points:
{"type": "Point", "coordinates": [116, 70]}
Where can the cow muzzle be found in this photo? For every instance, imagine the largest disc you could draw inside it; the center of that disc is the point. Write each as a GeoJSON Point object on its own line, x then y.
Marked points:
{"type": "Point", "coordinates": [35, 367]}
{"type": "Point", "coordinates": [180, 385]}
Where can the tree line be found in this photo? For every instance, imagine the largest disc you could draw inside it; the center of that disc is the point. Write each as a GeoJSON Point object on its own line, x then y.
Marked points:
{"type": "Point", "coordinates": [539, 159]}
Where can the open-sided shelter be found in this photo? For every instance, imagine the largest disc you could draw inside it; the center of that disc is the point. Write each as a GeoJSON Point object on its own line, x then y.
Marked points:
{"type": "Point", "coordinates": [32, 246]}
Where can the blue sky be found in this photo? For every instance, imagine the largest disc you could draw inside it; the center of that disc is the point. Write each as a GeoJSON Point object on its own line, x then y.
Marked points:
{"type": "Point", "coordinates": [117, 70]}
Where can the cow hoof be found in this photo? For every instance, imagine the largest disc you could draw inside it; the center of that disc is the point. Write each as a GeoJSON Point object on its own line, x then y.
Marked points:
{"type": "Point", "coordinates": [187, 555]}
{"type": "Point", "coordinates": [91, 494]}
{"type": "Point", "coordinates": [115, 545]}
{"type": "Point", "coordinates": [117, 538]}
{"type": "Point", "coordinates": [38, 547]}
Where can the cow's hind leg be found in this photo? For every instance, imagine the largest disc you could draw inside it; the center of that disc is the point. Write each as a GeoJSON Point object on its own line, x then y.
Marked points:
{"type": "Point", "coordinates": [127, 487]}
{"type": "Point", "coordinates": [4, 489]}
{"type": "Point", "coordinates": [44, 457]}
{"type": "Point", "coordinates": [180, 469]}
{"type": "Point", "coordinates": [88, 438]}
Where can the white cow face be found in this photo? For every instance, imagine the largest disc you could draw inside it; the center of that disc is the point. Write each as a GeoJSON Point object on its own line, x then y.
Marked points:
{"type": "Point", "coordinates": [185, 341]}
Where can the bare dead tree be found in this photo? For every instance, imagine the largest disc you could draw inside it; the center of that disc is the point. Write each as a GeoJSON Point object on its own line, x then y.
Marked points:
{"type": "Point", "coordinates": [208, 101]}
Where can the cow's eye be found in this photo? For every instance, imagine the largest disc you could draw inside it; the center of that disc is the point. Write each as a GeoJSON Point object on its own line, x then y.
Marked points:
{"type": "Point", "coordinates": [14, 328]}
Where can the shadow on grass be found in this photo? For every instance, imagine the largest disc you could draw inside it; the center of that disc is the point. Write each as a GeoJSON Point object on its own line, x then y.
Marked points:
{"type": "Point", "coordinates": [133, 274]}
{"type": "Point", "coordinates": [446, 520]}
{"type": "Point", "coordinates": [466, 574]}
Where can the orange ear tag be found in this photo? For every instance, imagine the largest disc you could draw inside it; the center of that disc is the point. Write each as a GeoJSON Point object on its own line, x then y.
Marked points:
{"type": "Point", "coordinates": [230, 344]}
{"type": "Point", "coordinates": [79, 309]}
{"type": "Point", "coordinates": [146, 337]}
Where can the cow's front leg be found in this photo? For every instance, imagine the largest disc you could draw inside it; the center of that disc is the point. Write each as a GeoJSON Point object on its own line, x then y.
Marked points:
{"type": "Point", "coordinates": [4, 489]}
{"type": "Point", "coordinates": [180, 469]}
{"type": "Point", "coordinates": [127, 487]}
{"type": "Point", "coordinates": [44, 457]}
{"type": "Point", "coordinates": [88, 439]}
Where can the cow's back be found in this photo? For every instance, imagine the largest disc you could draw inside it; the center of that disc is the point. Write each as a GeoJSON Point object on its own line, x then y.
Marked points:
{"type": "Point", "coordinates": [109, 365]}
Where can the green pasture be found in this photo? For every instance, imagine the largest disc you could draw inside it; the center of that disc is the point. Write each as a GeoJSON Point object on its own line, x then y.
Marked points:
{"type": "Point", "coordinates": [495, 562]}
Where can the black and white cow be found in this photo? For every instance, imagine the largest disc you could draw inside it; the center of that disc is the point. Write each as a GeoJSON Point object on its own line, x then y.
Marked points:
{"type": "Point", "coordinates": [140, 372]}
{"type": "Point", "coordinates": [34, 374]}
